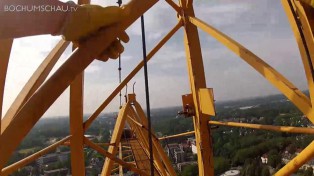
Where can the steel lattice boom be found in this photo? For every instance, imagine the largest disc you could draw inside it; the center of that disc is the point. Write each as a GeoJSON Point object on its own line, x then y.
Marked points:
{"type": "Point", "coordinates": [37, 96]}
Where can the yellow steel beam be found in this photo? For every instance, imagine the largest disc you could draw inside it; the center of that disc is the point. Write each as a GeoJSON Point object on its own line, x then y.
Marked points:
{"type": "Point", "coordinates": [114, 169]}
{"type": "Point", "coordinates": [76, 120]}
{"type": "Point", "coordinates": [88, 123]}
{"type": "Point", "coordinates": [36, 80]}
{"type": "Point", "coordinates": [286, 129]}
{"type": "Point", "coordinates": [5, 50]}
{"type": "Point", "coordinates": [38, 104]}
{"type": "Point", "coordinates": [121, 157]}
{"type": "Point", "coordinates": [206, 98]}
{"type": "Point", "coordinates": [310, 3]}
{"type": "Point", "coordinates": [104, 144]}
{"type": "Point", "coordinates": [76, 126]}
{"type": "Point", "coordinates": [112, 157]}
{"type": "Point", "coordinates": [126, 157]}
{"type": "Point", "coordinates": [174, 6]}
{"type": "Point", "coordinates": [304, 40]}
{"type": "Point", "coordinates": [306, 16]}
{"type": "Point", "coordinates": [14, 167]}
{"type": "Point", "coordinates": [306, 155]}
{"type": "Point", "coordinates": [135, 121]}
{"type": "Point", "coordinates": [142, 135]}
{"type": "Point", "coordinates": [279, 81]}
{"type": "Point", "coordinates": [160, 151]}
{"type": "Point", "coordinates": [177, 135]}
{"type": "Point", "coordinates": [197, 81]}
{"type": "Point", "coordinates": [116, 137]}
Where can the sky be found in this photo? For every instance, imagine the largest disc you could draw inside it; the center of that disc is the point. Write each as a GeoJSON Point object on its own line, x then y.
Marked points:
{"type": "Point", "coordinates": [261, 26]}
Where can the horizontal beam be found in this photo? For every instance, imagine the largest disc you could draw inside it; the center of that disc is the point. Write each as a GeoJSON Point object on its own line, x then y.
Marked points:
{"type": "Point", "coordinates": [112, 157]}
{"type": "Point", "coordinates": [296, 96]}
{"type": "Point", "coordinates": [306, 155]}
{"type": "Point", "coordinates": [126, 157]}
{"type": "Point", "coordinates": [287, 129]}
{"type": "Point", "coordinates": [106, 144]}
{"type": "Point", "coordinates": [177, 135]}
{"type": "Point", "coordinates": [12, 168]}
{"type": "Point", "coordinates": [90, 120]}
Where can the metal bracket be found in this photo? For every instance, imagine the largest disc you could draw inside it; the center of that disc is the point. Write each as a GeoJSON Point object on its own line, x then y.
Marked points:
{"type": "Point", "coordinates": [188, 106]}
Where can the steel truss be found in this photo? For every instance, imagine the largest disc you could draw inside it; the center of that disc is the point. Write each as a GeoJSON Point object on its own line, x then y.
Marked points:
{"type": "Point", "coordinates": [38, 95]}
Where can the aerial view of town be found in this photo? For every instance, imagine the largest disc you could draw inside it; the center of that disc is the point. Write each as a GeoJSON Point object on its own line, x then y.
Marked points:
{"type": "Point", "coordinates": [237, 151]}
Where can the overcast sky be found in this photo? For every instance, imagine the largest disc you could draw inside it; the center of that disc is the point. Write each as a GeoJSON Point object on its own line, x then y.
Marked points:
{"type": "Point", "coordinates": [261, 26]}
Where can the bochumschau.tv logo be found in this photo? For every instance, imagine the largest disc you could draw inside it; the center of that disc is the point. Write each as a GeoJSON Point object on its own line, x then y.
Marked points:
{"type": "Point", "coordinates": [38, 8]}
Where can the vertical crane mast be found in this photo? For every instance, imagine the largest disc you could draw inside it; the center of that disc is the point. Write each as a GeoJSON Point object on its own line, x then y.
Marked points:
{"type": "Point", "coordinates": [197, 81]}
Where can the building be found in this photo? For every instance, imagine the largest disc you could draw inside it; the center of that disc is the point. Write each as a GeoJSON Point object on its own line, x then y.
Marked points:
{"type": "Point", "coordinates": [192, 142]}
{"type": "Point", "coordinates": [47, 159]}
{"type": "Point", "coordinates": [170, 148]}
{"type": "Point", "coordinates": [63, 156]}
{"type": "Point", "coordinates": [52, 158]}
{"type": "Point", "coordinates": [185, 146]}
{"type": "Point", "coordinates": [264, 159]}
{"type": "Point", "coordinates": [179, 155]}
{"type": "Point", "coordinates": [175, 151]}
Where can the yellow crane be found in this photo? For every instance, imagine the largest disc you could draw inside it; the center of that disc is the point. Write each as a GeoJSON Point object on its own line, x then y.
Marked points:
{"type": "Point", "coordinates": [37, 96]}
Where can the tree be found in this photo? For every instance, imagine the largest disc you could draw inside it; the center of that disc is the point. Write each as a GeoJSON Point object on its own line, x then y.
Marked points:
{"type": "Point", "coordinates": [190, 170]}
{"type": "Point", "coordinates": [274, 160]}
{"type": "Point", "coordinates": [21, 172]}
{"type": "Point", "coordinates": [308, 171]}
{"type": "Point", "coordinates": [221, 165]}
{"type": "Point", "coordinates": [265, 171]}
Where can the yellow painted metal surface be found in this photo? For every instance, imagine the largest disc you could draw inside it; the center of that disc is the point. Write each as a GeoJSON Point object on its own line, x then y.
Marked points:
{"type": "Point", "coordinates": [38, 104]}
{"type": "Point", "coordinates": [310, 3]}
{"type": "Point", "coordinates": [287, 129]}
{"type": "Point", "coordinates": [306, 155]}
{"type": "Point", "coordinates": [76, 120]}
{"type": "Point", "coordinates": [197, 81]}
{"type": "Point", "coordinates": [115, 139]}
{"type": "Point", "coordinates": [299, 34]}
{"type": "Point", "coordinates": [14, 167]}
{"type": "Point", "coordinates": [5, 50]}
{"type": "Point", "coordinates": [156, 142]}
{"type": "Point", "coordinates": [275, 78]}
{"type": "Point", "coordinates": [306, 18]}
{"type": "Point", "coordinates": [76, 126]}
{"type": "Point", "coordinates": [174, 6]}
{"type": "Point", "coordinates": [142, 135]}
{"type": "Point", "coordinates": [206, 98]}
{"type": "Point", "coordinates": [141, 158]}
{"type": "Point", "coordinates": [112, 157]}
{"type": "Point", "coordinates": [121, 157]}
{"type": "Point", "coordinates": [30, 106]}
{"type": "Point", "coordinates": [177, 135]}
